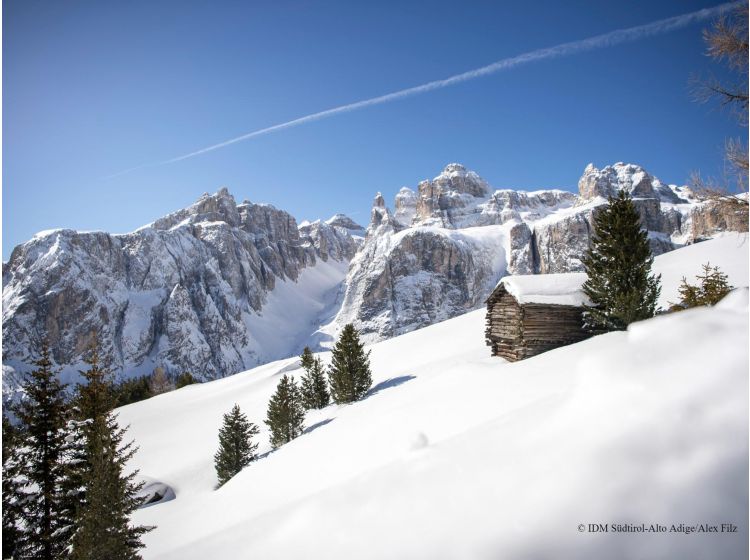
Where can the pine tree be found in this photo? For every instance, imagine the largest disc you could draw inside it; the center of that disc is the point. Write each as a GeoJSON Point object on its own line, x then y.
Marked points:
{"type": "Point", "coordinates": [306, 359]}
{"type": "Point", "coordinates": [349, 373]}
{"type": "Point", "coordinates": [12, 495]}
{"type": "Point", "coordinates": [236, 450]}
{"type": "Point", "coordinates": [314, 385]}
{"type": "Point", "coordinates": [618, 264]}
{"type": "Point", "coordinates": [714, 285]}
{"type": "Point", "coordinates": [184, 379]}
{"type": "Point", "coordinates": [108, 496]}
{"type": "Point", "coordinates": [41, 414]}
{"type": "Point", "coordinates": [74, 460]}
{"type": "Point", "coordinates": [286, 415]}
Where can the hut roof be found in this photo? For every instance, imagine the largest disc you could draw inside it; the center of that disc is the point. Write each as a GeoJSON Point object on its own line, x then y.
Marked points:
{"type": "Point", "coordinates": [556, 289]}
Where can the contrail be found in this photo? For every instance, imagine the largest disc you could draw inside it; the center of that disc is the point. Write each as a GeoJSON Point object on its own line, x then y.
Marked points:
{"type": "Point", "coordinates": [610, 39]}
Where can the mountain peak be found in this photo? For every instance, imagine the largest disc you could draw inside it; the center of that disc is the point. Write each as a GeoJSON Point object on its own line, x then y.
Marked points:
{"type": "Point", "coordinates": [218, 207]}
{"type": "Point", "coordinates": [344, 221]}
{"type": "Point", "coordinates": [620, 176]}
{"type": "Point", "coordinates": [454, 168]}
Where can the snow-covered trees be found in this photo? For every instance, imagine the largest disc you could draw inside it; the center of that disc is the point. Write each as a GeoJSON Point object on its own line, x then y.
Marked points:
{"type": "Point", "coordinates": [39, 467]}
{"type": "Point", "coordinates": [618, 264]}
{"type": "Point", "coordinates": [286, 414]}
{"type": "Point", "coordinates": [102, 529]}
{"type": "Point", "coordinates": [236, 449]}
{"type": "Point", "coordinates": [11, 490]}
{"type": "Point", "coordinates": [64, 491]}
{"type": "Point", "coordinates": [349, 373]}
{"type": "Point", "coordinates": [314, 385]}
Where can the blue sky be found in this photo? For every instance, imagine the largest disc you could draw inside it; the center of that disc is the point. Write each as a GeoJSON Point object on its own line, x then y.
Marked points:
{"type": "Point", "coordinates": [93, 88]}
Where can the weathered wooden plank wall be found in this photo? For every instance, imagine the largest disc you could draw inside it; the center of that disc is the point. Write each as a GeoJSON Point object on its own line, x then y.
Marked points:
{"type": "Point", "coordinates": [515, 331]}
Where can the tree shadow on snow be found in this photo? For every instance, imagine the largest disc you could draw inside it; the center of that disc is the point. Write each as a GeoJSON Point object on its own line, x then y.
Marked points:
{"type": "Point", "coordinates": [317, 425]}
{"type": "Point", "coordinates": [388, 383]}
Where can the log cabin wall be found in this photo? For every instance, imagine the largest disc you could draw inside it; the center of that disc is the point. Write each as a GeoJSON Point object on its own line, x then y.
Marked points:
{"type": "Point", "coordinates": [516, 331]}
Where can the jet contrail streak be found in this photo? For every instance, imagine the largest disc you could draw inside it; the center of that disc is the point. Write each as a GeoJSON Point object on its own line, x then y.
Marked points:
{"type": "Point", "coordinates": [610, 39]}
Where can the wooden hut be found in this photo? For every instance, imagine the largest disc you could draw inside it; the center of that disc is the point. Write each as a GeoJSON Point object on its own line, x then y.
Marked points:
{"type": "Point", "coordinates": [530, 314]}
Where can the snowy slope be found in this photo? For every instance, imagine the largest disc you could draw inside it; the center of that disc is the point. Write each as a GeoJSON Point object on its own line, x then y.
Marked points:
{"type": "Point", "coordinates": [459, 455]}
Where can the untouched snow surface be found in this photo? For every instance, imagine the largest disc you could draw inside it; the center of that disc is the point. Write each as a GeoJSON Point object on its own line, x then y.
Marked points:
{"type": "Point", "coordinates": [560, 289]}
{"type": "Point", "coordinates": [455, 454]}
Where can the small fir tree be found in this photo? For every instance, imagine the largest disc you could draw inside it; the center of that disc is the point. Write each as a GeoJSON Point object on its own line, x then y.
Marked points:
{"type": "Point", "coordinates": [314, 385]}
{"type": "Point", "coordinates": [132, 390]}
{"type": "Point", "coordinates": [41, 414]}
{"type": "Point", "coordinates": [108, 496]}
{"type": "Point", "coordinates": [307, 358]}
{"type": "Point", "coordinates": [618, 264]}
{"type": "Point", "coordinates": [714, 285]}
{"type": "Point", "coordinates": [185, 379]}
{"type": "Point", "coordinates": [349, 374]}
{"type": "Point", "coordinates": [12, 493]}
{"type": "Point", "coordinates": [236, 450]}
{"type": "Point", "coordinates": [286, 414]}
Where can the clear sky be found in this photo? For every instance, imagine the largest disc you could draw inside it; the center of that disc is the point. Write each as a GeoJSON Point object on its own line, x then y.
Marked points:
{"type": "Point", "coordinates": [91, 88]}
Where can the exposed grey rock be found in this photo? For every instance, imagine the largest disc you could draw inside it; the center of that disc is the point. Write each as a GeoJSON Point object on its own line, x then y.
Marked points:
{"type": "Point", "coordinates": [344, 221]}
{"type": "Point", "coordinates": [632, 178]}
{"type": "Point", "coordinates": [522, 247]}
{"type": "Point", "coordinates": [560, 245]}
{"type": "Point", "coordinates": [401, 279]}
{"type": "Point", "coordinates": [333, 241]}
{"type": "Point", "coordinates": [712, 217]}
{"type": "Point", "coordinates": [406, 206]}
{"type": "Point", "coordinates": [189, 291]}
{"type": "Point", "coordinates": [178, 293]}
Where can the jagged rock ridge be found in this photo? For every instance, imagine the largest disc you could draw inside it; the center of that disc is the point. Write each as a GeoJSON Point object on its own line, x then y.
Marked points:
{"type": "Point", "coordinates": [184, 292]}
{"type": "Point", "coordinates": [447, 244]}
{"type": "Point", "coordinates": [219, 287]}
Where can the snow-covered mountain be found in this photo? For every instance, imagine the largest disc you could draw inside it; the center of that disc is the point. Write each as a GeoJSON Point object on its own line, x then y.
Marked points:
{"type": "Point", "coordinates": [455, 454]}
{"type": "Point", "coordinates": [219, 287]}
{"type": "Point", "coordinates": [446, 245]}
{"type": "Point", "coordinates": [209, 289]}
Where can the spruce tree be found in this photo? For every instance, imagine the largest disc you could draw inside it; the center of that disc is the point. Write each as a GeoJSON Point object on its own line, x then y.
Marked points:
{"type": "Point", "coordinates": [714, 285]}
{"type": "Point", "coordinates": [618, 264]}
{"type": "Point", "coordinates": [349, 373]}
{"type": "Point", "coordinates": [286, 414]}
{"type": "Point", "coordinates": [236, 450]}
{"type": "Point", "coordinates": [12, 495]}
{"type": "Point", "coordinates": [314, 385]}
{"type": "Point", "coordinates": [41, 414]}
{"type": "Point", "coordinates": [184, 379]}
{"type": "Point", "coordinates": [108, 496]}
{"type": "Point", "coordinates": [306, 359]}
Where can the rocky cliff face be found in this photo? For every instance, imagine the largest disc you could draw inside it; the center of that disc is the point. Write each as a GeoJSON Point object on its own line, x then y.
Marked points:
{"type": "Point", "coordinates": [219, 287]}
{"type": "Point", "coordinates": [447, 244]}
{"type": "Point", "coordinates": [185, 292]}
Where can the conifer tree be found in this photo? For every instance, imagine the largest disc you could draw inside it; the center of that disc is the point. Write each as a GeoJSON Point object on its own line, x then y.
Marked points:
{"type": "Point", "coordinates": [184, 379]}
{"type": "Point", "coordinates": [314, 385]}
{"type": "Point", "coordinates": [618, 264]}
{"type": "Point", "coordinates": [714, 285]}
{"type": "Point", "coordinates": [108, 497]}
{"type": "Point", "coordinates": [41, 414]}
{"type": "Point", "coordinates": [349, 374]}
{"type": "Point", "coordinates": [286, 415]}
{"type": "Point", "coordinates": [236, 450]}
{"type": "Point", "coordinates": [306, 359]}
{"type": "Point", "coordinates": [12, 495]}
